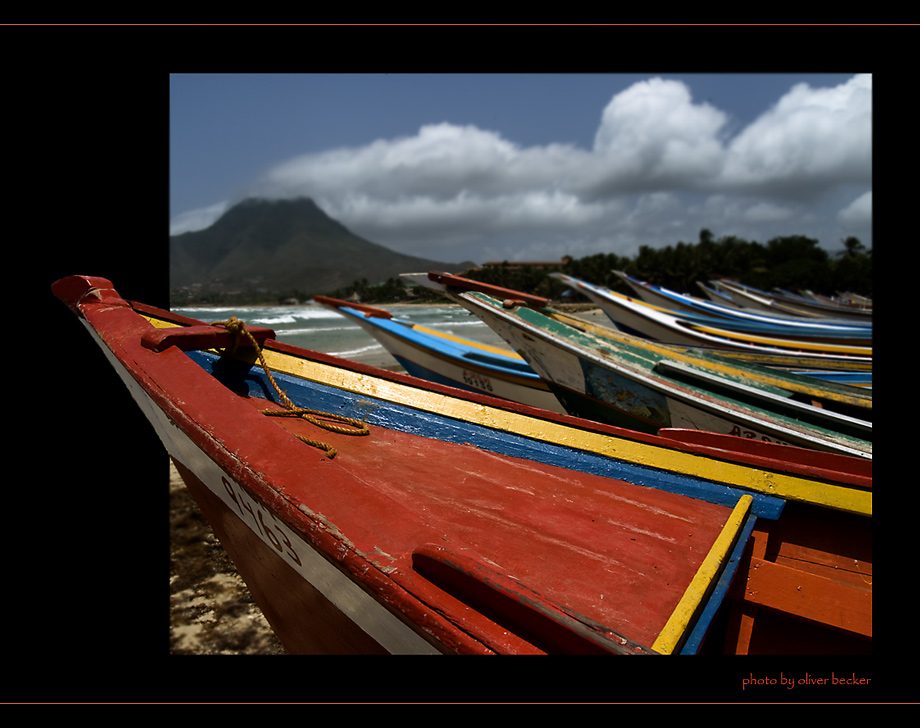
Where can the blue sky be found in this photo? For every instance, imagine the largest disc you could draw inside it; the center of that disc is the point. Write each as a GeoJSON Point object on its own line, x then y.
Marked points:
{"type": "Point", "coordinates": [483, 167]}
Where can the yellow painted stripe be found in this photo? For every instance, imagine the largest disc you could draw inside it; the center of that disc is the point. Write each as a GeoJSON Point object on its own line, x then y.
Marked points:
{"type": "Point", "coordinates": [793, 344]}
{"type": "Point", "coordinates": [469, 342]}
{"type": "Point", "coordinates": [830, 348]}
{"type": "Point", "coordinates": [780, 485]}
{"type": "Point", "coordinates": [743, 476]}
{"type": "Point", "coordinates": [762, 374]}
{"type": "Point", "coordinates": [507, 376]}
{"type": "Point", "coordinates": [158, 323]}
{"type": "Point", "coordinates": [670, 637]}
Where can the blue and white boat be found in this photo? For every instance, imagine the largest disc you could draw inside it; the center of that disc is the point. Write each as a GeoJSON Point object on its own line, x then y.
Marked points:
{"type": "Point", "coordinates": [754, 298]}
{"type": "Point", "coordinates": [629, 382]}
{"type": "Point", "coordinates": [738, 319]}
{"type": "Point", "coordinates": [428, 520]}
{"type": "Point", "coordinates": [443, 358]}
{"type": "Point", "coordinates": [659, 324]}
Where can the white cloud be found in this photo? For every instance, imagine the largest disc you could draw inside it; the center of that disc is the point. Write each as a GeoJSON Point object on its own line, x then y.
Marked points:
{"type": "Point", "coordinates": [662, 166]}
{"type": "Point", "coordinates": [811, 137]}
{"type": "Point", "coordinates": [196, 219]}
{"type": "Point", "coordinates": [653, 133]}
{"type": "Point", "coordinates": [858, 212]}
{"type": "Point", "coordinates": [441, 162]}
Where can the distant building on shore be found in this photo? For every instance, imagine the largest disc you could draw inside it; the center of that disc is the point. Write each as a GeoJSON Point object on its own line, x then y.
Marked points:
{"type": "Point", "coordinates": [522, 264]}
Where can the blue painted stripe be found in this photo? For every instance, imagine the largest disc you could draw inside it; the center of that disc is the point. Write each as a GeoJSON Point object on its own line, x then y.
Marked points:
{"type": "Point", "coordinates": [460, 354]}
{"type": "Point", "coordinates": [855, 379]}
{"type": "Point", "coordinates": [698, 632]}
{"type": "Point", "coordinates": [239, 376]}
{"type": "Point", "coordinates": [705, 313]}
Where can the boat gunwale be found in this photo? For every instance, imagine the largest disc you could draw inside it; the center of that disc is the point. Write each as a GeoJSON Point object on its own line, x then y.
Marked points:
{"type": "Point", "coordinates": [785, 427]}
{"type": "Point", "coordinates": [859, 479]}
{"type": "Point", "coordinates": [416, 335]}
{"type": "Point", "coordinates": [688, 303]}
{"type": "Point", "coordinates": [173, 355]}
{"type": "Point", "coordinates": [193, 415]}
{"type": "Point", "coordinates": [703, 336]}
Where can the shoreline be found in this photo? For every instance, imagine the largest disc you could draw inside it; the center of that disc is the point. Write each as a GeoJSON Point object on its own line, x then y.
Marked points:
{"type": "Point", "coordinates": [564, 307]}
{"type": "Point", "coordinates": [380, 358]}
{"type": "Point", "coordinates": [206, 306]}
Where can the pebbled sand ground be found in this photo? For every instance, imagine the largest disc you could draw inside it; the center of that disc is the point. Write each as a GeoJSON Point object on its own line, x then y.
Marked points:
{"type": "Point", "coordinates": [210, 609]}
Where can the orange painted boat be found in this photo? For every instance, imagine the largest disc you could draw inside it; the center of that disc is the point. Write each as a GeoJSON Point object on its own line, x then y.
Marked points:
{"type": "Point", "coordinates": [370, 512]}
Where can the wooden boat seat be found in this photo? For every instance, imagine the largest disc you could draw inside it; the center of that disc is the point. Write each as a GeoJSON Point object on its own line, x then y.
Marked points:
{"type": "Point", "coordinates": [525, 612]}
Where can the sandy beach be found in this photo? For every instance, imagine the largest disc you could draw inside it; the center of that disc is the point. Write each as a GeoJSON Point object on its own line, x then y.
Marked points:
{"type": "Point", "coordinates": [211, 609]}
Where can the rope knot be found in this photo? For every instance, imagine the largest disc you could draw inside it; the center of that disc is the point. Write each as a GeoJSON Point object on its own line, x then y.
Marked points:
{"type": "Point", "coordinates": [234, 325]}
{"type": "Point", "coordinates": [355, 427]}
{"type": "Point", "coordinates": [238, 329]}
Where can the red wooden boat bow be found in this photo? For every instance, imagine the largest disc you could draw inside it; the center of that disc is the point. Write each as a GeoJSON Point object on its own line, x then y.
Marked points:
{"type": "Point", "coordinates": [467, 524]}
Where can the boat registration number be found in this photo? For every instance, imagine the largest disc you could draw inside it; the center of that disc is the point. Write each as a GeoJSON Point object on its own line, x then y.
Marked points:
{"type": "Point", "coordinates": [263, 522]}
{"type": "Point", "coordinates": [477, 380]}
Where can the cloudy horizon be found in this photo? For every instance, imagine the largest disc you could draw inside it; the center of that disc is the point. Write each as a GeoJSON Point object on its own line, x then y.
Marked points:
{"type": "Point", "coordinates": [662, 165]}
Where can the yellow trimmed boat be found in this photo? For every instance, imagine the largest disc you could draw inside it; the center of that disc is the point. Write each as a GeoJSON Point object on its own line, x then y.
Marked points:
{"type": "Point", "coordinates": [370, 511]}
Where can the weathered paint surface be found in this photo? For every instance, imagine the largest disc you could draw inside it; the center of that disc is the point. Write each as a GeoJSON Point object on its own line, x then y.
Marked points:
{"type": "Point", "coordinates": [453, 361]}
{"type": "Point", "coordinates": [621, 381]}
{"type": "Point", "coordinates": [659, 324]}
{"type": "Point", "coordinates": [615, 543]}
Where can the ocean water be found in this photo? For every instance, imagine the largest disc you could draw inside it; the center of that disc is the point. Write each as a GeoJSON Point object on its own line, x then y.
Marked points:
{"type": "Point", "coordinates": [311, 326]}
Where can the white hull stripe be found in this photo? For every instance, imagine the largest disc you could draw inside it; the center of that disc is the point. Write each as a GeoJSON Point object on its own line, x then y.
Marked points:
{"type": "Point", "coordinates": [374, 619]}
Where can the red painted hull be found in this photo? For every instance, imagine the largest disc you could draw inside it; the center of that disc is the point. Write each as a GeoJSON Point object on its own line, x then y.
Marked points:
{"type": "Point", "coordinates": [305, 621]}
{"type": "Point", "coordinates": [409, 543]}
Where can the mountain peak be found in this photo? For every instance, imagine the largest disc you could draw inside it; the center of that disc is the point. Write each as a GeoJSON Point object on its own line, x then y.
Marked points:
{"type": "Point", "coordinates": [275, 217]}
{"type": "Point", "coordinates": [276, 247]}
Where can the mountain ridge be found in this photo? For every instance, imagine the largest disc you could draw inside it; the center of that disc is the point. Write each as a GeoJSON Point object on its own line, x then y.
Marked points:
{"type": "Point", "coordinates": [276, 248]}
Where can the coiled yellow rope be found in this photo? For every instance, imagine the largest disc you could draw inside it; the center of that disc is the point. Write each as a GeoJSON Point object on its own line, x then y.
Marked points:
{"type": "Point", "coordinates": [355, 427]}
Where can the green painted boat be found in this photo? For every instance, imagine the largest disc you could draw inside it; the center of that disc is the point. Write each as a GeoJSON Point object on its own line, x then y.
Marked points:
{"type": "Point", "coordinates": [631, 382]}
